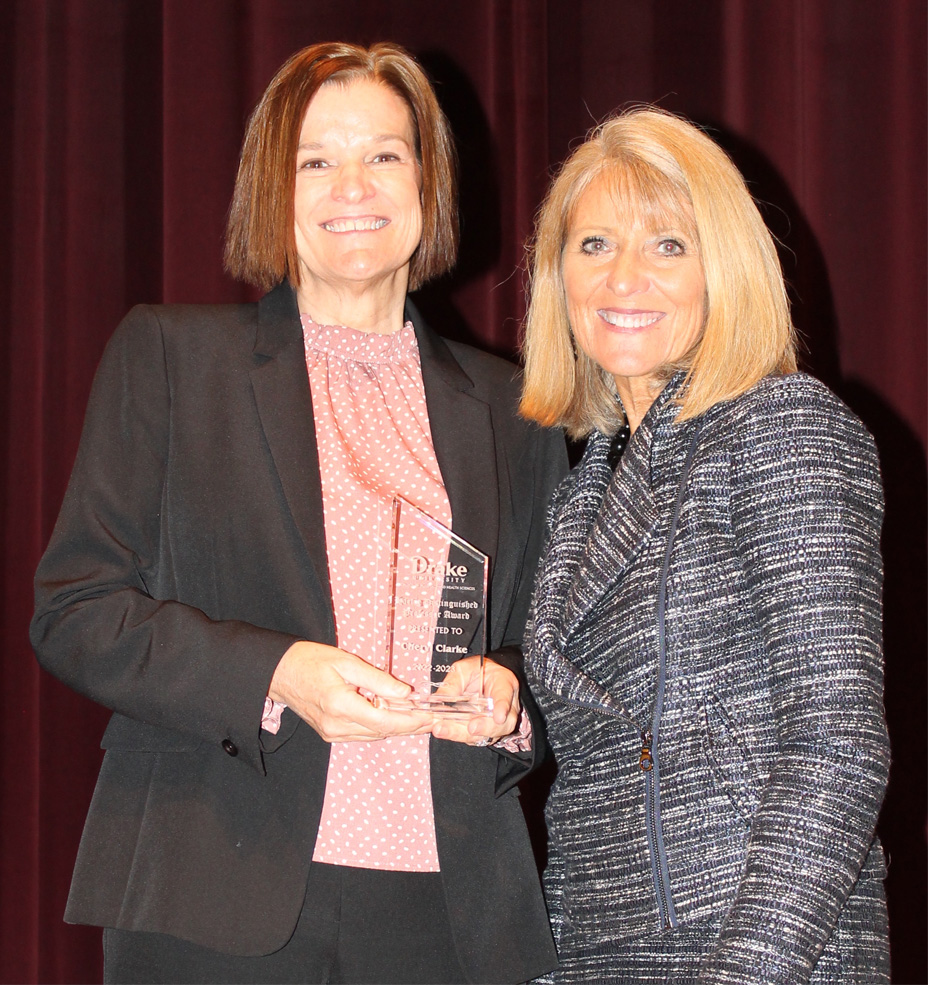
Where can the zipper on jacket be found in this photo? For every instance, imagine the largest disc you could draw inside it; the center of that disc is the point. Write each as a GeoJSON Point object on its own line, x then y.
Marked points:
{"type": "Point", "coordinates": [665, 912]}
{"type": "Point", "coordinates": [650, 760]}
{"type": "Point", "coordinates": [646, 762]}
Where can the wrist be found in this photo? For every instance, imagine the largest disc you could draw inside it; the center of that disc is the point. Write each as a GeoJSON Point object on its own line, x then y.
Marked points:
{"type": "Point", "coordinates": [280, 689]}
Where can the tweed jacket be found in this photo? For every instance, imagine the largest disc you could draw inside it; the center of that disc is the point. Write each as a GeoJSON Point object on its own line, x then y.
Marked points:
{"type": "Point", "coordinates": [189, 555]}
{"type": "Point", "coordinates": [720, 770]}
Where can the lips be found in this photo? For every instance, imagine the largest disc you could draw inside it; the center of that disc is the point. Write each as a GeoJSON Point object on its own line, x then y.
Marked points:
{"type": "Point", "coordinates": [629, 320]}
{"type": "Point", "coordinates": [355, 224]}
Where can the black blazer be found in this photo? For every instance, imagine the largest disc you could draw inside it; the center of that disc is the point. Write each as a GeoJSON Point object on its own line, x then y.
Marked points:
{"type": "Point", "coordinates": [189, 554]}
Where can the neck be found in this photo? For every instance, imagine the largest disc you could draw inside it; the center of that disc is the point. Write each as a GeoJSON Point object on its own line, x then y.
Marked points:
{"type": "Point", "coordinates": [364, 307]}
{"type": "Point", "coordinates": [637, 393]}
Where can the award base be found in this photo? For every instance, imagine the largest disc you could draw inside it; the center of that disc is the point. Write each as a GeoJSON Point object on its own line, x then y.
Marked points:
{"type": "Point", "coordinates": [462, 707]}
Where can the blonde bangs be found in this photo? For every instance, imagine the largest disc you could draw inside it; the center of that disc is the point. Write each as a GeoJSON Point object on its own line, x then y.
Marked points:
{"type": "Point", "coordinates": [646, 197]}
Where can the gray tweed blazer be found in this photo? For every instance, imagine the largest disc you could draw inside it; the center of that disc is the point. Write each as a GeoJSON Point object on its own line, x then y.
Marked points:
{"type": "Point", "coordinates": [720, 770]}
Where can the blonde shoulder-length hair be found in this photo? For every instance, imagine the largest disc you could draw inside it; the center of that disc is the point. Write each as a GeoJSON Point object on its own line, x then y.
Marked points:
{"type": "Point", "coordinates": [661, 169]}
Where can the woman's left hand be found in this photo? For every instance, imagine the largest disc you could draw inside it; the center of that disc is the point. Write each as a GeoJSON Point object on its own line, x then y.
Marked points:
{"type": "Point", "coordinates": [499, 683]}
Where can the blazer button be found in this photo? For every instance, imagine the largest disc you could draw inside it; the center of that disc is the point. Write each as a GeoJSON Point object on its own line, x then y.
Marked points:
{"type": "Point", "coordinates": [230, 747]}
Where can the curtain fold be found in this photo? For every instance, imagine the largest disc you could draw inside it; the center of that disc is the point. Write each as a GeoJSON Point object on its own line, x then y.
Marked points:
{"type": "Point", "coordinates": [124, 120]}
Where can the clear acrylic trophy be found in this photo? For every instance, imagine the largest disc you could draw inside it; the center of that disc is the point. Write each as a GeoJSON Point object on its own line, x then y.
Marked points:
{"type": "Point", "coordinates": [437, 612]}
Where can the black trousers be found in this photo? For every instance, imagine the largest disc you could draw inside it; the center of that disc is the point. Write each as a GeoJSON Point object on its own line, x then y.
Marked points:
{"type": "Point", "coordinates": [357, 926]}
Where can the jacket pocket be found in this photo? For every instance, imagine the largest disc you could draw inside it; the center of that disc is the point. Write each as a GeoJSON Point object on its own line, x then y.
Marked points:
{"type": "Point", "coordinates": [133, 736]}
{"type": "Point", "coordinates": [729, 759]}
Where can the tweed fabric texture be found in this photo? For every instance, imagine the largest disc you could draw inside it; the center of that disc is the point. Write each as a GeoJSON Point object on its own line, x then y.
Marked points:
{"type": "Point", "coordinates": [748, 853]}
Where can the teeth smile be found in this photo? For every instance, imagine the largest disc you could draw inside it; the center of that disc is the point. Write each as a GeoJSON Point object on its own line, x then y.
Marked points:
{"type": "Point", "coordinates": [626, 320]}
{"type": "Point", "coordinates": [354, 225]}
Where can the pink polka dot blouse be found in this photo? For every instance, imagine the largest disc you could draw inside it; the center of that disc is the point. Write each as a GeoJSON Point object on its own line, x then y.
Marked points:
{"type": "Point", "coordinates": [374, 441]}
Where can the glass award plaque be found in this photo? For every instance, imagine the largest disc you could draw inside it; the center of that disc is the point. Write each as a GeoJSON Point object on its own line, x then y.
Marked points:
{"type": "Point", "coordinates": [437, 612]}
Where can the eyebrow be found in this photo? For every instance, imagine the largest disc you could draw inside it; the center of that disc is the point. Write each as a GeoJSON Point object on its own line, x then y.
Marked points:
{"type": "Point", "coordinates": [654, 231]}
{"type": "Point", "coordinates": [380, 138]}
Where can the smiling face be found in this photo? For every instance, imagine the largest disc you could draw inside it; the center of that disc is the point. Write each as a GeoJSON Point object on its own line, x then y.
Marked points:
{"type": "Point", "coordinates": [357, 209]}
{"type": "Point", "coordinates": [635, 292]}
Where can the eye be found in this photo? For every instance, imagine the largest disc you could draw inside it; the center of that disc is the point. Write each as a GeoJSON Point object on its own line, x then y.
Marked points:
{"type": "Point", "coordinates": [593, 245]}
{"type": "Point", "coordinates": [386, 156]}
{"type": "Point", "coordinates": [670, 247]}
{"type": "Point", "coordinates": [313, 164]}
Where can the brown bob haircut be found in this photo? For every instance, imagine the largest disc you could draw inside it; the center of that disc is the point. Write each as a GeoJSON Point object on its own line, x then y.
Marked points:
{"type": "Point", "coordinates": [661, 171]}
{"type": "Point", "coordinates": [260, 240]}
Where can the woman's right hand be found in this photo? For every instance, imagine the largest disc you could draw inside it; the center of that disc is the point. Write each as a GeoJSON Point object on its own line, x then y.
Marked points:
{"type": "Point", "coordinates": [323, 685]}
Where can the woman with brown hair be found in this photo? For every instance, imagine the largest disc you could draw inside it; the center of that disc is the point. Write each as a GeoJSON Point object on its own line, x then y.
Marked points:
{"type": "Point", "coordinates": [218, 577]}
{"type": "Point", "coordinates": [705, 640]}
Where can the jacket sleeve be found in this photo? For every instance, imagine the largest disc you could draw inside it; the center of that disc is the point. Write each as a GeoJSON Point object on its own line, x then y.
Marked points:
{"type": "Point", "coordinates": [806, 509]}
{"type": "Point", "coordinates": [98, 625]}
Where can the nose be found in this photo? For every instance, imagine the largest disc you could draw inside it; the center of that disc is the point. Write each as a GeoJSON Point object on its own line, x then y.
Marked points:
{"type": "Point", "coordinates": [352, 183]}
{"type": "Point", "coordinates": [628, 273]}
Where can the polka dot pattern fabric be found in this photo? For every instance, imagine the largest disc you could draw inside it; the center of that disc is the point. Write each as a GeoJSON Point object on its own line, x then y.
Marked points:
{"type": "Point", "coordinates": [374, 441]}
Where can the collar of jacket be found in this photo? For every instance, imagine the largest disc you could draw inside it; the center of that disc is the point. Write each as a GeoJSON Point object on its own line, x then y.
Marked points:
{"type": "Point", "coordinates": [620, 513]}
{"type": "Point", "coordinates": [278, 321]}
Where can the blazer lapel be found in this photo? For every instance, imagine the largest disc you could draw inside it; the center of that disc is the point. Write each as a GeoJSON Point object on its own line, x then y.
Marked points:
{"type": "Point", "coordinates": [555, 593]}
{"type": "Point", "coordinates": [462, 435]}
{"type": "Point", "coordinates": [465, 447]}
{"type": "Point", "coordinates": [599, 530]}
{"type": "Point", "coordinates": [628, 517]}
{"type": "Point", "coordinates": [625, 521]}
{"type": "Point", "coordinates": [281, 388]}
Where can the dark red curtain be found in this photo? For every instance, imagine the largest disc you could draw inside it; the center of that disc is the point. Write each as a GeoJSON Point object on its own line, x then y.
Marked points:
{"type": "Point", "coordinates": [122, 122]}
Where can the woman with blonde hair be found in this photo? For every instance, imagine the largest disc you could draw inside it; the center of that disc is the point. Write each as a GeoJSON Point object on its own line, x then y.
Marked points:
{"type": "Point", "coordinates": [220, 578]}
{"type": "Point", "coordinates": [705, 642]}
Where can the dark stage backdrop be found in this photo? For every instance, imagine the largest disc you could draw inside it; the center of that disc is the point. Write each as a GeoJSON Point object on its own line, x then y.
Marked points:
{"type": "Point", "coordinates": [122, 121]}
